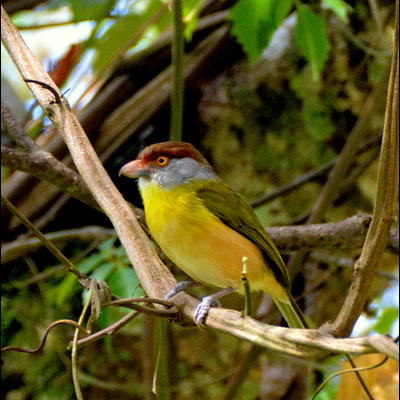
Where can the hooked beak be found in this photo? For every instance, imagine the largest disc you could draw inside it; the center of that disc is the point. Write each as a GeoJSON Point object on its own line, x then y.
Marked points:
{"type": "Point", "coordinates": [134, 169]}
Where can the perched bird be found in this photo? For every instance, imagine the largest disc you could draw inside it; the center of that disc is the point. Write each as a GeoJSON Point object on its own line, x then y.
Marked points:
{"type": "Point", "coordinates": [206, 228]}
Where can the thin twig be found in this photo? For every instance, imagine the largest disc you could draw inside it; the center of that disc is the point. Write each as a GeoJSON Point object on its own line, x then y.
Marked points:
{"type": "Point", "coordinates": [107, 331]}
{"type": "Point", "coordinates": [21, 247]}
{"type": "Point", "coordinates": [161, 386]}
{"type": "Point", "coordinates": [44, 338]}
{"type": "Point", "coordinates": [125, 302]}
{"type": "Point", "coordinates": [354, 369]}
{"type": "Point", "coordinates": [53, 249]}
{"type": "Point", "coordinates": [360, 378]}
{"type": "Point", "coordinates": [74, 354]}
{"type": "Point", "coordinates": [171, 313]}
{"type": "Point", "coordinates": [309, 176]}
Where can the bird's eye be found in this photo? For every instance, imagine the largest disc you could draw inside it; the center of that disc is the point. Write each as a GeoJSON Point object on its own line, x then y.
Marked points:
{"type": "Point", "coordinates": [162, 161]}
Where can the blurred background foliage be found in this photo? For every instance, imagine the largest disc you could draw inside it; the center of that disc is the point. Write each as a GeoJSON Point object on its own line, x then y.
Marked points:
{"type": "Point", "coordinates": [273, 89]}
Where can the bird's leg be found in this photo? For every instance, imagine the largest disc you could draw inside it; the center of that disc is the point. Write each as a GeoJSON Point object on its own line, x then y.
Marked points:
{"type": "Point", "coordinates": [208, 302]}
{"type": "Point", "coordinates": [181, 287]}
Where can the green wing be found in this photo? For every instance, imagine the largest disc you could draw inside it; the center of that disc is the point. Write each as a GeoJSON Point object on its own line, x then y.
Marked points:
{"type": "Point", "coordinates": [235, 212]}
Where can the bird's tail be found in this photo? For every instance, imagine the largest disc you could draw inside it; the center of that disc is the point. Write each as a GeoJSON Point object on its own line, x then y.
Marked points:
{"type": "Point", "coordinates": [291, 312]}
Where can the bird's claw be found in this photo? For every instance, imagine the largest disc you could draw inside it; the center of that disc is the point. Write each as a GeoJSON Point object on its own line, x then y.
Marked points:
{"type": "Point", "coordinates": [207, 302]}
{"type": "Point", "coordinates": [203, 308]}
{"type": "Point", "coordinates": [181, 287]}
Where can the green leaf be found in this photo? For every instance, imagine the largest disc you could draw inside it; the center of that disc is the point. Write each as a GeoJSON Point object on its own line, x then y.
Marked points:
{"type": "Point", "coordinates": [90, 263]}
{"type": "Point", "coordinates": [340, 8]}
{"type": "Point", "coordinates": [190, 11]}
{"type": "Point", "coordinates": [84, 10]}
{"type": "Point", "coordinates": [103, 271]}
{"type": "Point", "coordinates": [255, 21]}
{"type": "Point", "coordinates": [59, 295]}
{"type": "Point", "coordinates": [190, 26]}
{"type": "Point", "coordinates": [124, 283]}
{"type": "Point", "coordinates": [95, 262]}
{"type": "Point", "coordinates": [90, 9]}
{"type": "Point", "coordinates": [386, 320]}
{"type": "Point", "coordinates": [312, 39]}
{"type": "Point", "coordinates": [121, 32]}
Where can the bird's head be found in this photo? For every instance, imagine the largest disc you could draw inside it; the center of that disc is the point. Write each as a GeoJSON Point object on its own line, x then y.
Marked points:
{"type": "Point", "coordinates": [170, 164]}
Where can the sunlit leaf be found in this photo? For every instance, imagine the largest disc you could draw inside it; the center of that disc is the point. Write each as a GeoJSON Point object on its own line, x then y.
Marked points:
{"type": "Point", "coordinates": [190, 12]}
{"type": "Point", "coordinates": [386, 320]}
{"type": "Point", "coordinates": [340, 8]}
{"type": "Point", "coordinates": [84, 10]}
{"type": "Point", "coordinates": [121, 32]}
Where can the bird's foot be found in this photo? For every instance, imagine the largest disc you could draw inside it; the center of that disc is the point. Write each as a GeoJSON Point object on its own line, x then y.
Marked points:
{"type": "Point", "coordinates": [210, 301]}
{"type": "Point", "coordinates": [181, 287]}
{"type": "Point", "coordinates": [204, 307]}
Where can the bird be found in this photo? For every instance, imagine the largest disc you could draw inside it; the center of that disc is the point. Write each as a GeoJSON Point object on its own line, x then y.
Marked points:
{"type": "Point", "coordinates": [206, 228]}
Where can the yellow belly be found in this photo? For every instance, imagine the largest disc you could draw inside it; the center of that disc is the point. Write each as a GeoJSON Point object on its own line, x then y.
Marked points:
{"type": "Point", "coordinates": [201, 244]}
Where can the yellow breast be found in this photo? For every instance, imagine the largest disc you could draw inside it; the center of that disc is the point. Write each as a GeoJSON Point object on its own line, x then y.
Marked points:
{"type": "Point", "coordinates": [199, 243]}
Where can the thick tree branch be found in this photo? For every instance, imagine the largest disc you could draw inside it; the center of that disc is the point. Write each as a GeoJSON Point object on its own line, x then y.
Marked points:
{"type": "Point", "coordinates": [343, 236]}
{"type": "Point", "coordinates": [304, 343]}
{"type": "Point", "coordinates": [43, 165]}
{"type": "Point", "coordinates": [335, 236]}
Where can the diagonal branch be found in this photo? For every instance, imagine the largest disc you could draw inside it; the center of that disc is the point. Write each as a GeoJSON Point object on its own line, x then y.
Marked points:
{"type": "Point", "coordinates": [154, 276]}
{"type": "Point", "coordinates": [384, 210]}
{"type": "Point", "coordinates": [43, 165]}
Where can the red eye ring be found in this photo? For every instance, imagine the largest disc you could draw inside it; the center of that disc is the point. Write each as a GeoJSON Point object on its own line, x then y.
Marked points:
{"type": "Point", "coordinates": [162, 161]}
